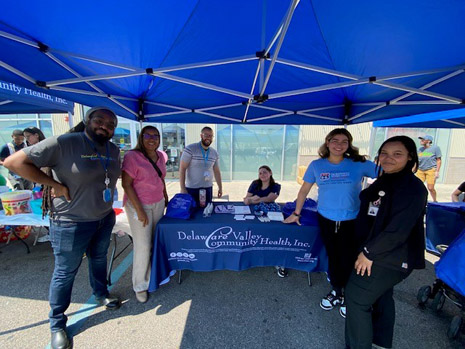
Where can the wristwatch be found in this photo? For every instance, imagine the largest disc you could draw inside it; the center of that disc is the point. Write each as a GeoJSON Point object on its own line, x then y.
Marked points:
{"type": "Point", "coordinates": [296, 214]}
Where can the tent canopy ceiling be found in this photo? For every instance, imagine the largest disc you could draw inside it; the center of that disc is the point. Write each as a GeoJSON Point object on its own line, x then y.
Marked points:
{"type": "Point", "coordinates": [445, 119]}
{"type": "Point", "coordinates": [254, 61]}
{"type": "Point", "coordinates": [15, 99]}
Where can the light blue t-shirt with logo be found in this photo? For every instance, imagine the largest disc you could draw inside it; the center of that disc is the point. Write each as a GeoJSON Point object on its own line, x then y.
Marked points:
{"type": "Point", "coordinates": [339, 186]}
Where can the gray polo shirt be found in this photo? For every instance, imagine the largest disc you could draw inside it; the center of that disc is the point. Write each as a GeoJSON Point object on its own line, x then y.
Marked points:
{"type": "Point", "coordinates": [75, 164]}
{"type": "Point", "coordinates": [199, 161]}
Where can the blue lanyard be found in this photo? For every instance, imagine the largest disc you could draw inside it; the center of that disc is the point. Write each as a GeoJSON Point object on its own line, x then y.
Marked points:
{"type": "Point", "coordinates": [104, 163]}
{"type": "Point", "coordinates": [205, 155]}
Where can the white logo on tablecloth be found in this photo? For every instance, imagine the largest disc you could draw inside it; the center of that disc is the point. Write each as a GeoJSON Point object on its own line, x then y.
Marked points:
{"type": "Point", "coordinates": [227, 237]}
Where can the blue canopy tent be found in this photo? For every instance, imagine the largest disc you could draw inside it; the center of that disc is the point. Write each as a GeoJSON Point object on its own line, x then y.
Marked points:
{"type": "Point", "coordinates": [444, 119]}
{"type": "Point", "coordinates": [15, 99]}
{"type": "Point", "coordinates": [242, 61]}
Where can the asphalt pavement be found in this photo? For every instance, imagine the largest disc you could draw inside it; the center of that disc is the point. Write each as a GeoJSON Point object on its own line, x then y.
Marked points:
{"type": "Point", "coordinates": [248, 309]}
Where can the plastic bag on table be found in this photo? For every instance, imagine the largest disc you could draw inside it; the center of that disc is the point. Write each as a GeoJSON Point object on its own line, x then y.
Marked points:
{"type": "Point", "coordinates": [181, 206]}
{"type": "Point", "coordinates": [309, 214]}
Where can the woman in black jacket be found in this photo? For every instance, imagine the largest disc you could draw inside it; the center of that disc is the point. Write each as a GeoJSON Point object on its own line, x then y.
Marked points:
{"type": "Point", "coordinates": [391, 240]}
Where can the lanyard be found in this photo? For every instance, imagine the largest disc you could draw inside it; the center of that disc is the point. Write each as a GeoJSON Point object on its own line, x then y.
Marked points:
{"type": "Point", "coordinates": [205, 155]}
{"type": "Point", "coordinates": [104, 163]}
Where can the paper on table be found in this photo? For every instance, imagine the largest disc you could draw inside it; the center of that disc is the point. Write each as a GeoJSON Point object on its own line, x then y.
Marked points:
{"type": "Point", "coordinates": [242, 210]}
{"type": "Point", "coordinates": [276, 216]}
{"type": "Point", "coordinates": [239, 217]}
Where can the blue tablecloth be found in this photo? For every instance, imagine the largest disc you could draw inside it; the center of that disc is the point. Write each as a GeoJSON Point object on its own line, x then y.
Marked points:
{"type": "Point", "coordinates": [220, 242]}
{"type": "Point", "coordinates": [444, 222]}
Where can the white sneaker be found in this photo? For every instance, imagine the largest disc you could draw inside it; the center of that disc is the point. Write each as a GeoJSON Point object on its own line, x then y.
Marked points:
{"type": "Point", "coordinates": [330, 301]}
{"type": "Point", "coordinates": [44, 238]}
{"type": "Point", "coordinates": [343, 310]}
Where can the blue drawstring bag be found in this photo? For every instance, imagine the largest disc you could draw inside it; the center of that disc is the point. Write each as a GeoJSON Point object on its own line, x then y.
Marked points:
{"type": "Point", "coordinates": [308, 215]}
{"type": "Point", "coordinates": [181, 206]}
{"type": "Point", "coordinates": [451, 267]}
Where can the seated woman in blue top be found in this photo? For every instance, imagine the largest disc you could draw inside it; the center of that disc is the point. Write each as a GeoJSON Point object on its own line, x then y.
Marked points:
{"type": "Point", "coordinates": [263, 189]}
{"type": "Point", "coordinates": [338, 173]}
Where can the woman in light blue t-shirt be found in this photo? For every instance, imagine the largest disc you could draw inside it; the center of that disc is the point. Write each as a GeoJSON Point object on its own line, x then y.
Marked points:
{"type": "Point", "coordinates": [338, 173]}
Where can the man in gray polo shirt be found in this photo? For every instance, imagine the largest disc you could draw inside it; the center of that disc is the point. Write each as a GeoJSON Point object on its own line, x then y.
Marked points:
{"type": "Point", "coordinates": [85, 167]}
{"type": "Point", "coordinates": [199, 164]}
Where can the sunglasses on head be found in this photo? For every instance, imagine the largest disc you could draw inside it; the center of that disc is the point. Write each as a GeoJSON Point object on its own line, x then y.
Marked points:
{"type": "Point", "coordinates": [149, 136]}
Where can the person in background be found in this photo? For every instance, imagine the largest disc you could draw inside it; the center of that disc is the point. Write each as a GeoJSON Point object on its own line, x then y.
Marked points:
{"type": "Point", "coordinates": [429, 157]}
{"type": "Point", "coordinates": [391, 243]}
{"type": "Point", "coordinates": [16, 181]}
{"type": "Point", "coordinates": [33, 135]}
{"type": "Point", "coordinates": [145, 199]}
{"type": "Point", "coordinates": [457, 192]}
{"type": "Point", "coordinates": [199, 164]}
{"type": "Point", "coordinates": [338, 173]}
{"type": "Point", "coordinates": [84, 169]}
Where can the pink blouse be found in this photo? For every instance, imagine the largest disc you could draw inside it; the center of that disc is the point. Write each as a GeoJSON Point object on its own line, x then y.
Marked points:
{"type": "Point", "coordinates": [146, 182]}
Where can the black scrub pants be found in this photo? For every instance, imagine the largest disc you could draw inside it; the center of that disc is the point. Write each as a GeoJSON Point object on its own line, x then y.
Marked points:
{"type": "Point", "coordinates": [340, 244]}
{"type": "Point", "coordinates": [370, 308]}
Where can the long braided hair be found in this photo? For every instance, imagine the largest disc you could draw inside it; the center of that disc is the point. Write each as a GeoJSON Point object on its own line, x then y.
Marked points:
{"type": "Point", "coordinates": [47, 191]}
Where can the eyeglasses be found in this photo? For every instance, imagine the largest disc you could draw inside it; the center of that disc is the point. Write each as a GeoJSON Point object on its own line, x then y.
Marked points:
{"type": "Point", "coordinates": [149, 136]}
{"type": "Point", "coordinates": [207, 136]}
{"type": "Point", "coordinates": [100, 122]}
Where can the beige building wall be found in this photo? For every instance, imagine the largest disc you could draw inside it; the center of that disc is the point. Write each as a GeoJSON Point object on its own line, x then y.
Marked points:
{"type": "Point", "coordinates": [61, 123]}
{"type": "Point", "coordinates": [312, 137]}
{"type": "Point", "coordinates": [456, 165]}
{"type": "Point", "coordinates": [193, 133]}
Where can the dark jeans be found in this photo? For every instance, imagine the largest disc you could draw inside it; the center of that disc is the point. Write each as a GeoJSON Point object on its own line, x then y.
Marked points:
{"type": "Point", "coordinates": [70, 240]}
{"type": "Point", "coordinates": [341, 247]}
{"type": "Point", "coordinates": [370, 308]}
{"type": "Point", "coordinates": [194, 192]}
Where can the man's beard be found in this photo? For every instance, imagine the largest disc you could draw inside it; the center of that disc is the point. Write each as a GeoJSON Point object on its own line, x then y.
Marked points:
{"type": "Point", "coordinates": [99, 138]}
{"type": "Point", "coordinates": [204, 144]}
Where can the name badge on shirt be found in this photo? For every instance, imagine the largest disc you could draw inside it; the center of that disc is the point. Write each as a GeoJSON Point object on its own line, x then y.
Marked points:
{"type": "Point", "coordinates": [372, 209]}
{"type": "Point", "coordinates": [107, 195]}
{"type": "Point", "coordinates": [207, 176]}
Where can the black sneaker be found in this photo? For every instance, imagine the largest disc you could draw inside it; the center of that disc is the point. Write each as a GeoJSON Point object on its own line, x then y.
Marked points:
{"type": "Point", "coordinates": [110, 302]}
{"type": "Point", "coordinates": [331, 300]}
{"type": "Point", "coordinates": [282, 273]}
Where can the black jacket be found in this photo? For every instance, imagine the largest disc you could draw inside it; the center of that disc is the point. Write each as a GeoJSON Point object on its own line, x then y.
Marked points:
{"type": "Point", "coordinates": [394, 238]}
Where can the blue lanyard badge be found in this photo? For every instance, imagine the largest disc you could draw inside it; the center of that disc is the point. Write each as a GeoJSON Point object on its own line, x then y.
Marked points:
{"type": "Point", "coordinates": [107, 197]}
{"type": "Point", "coordinates": [205, 155]}
{"type": "Point", "coordinates": [206, 173]}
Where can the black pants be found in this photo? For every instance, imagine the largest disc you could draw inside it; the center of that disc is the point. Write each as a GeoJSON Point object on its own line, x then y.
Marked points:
{"type": "Point", "coordinates": [370, 308]}
{"type": "Point", "coordinates": [340, 244]}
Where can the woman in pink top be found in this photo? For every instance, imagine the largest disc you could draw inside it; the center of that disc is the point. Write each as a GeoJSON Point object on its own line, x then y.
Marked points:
{"type": "Point", "coordinates": [145, 198]}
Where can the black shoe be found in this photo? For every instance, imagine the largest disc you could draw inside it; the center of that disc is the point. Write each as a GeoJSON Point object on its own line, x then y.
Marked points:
{"type": "Point", "coordinates": [110, 303]}
{"type": "Point", "coordinates": [60, 340]}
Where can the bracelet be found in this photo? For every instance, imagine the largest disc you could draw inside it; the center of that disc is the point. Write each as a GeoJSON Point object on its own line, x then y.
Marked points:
{"type": "Point", "coordinates": [296, 214]}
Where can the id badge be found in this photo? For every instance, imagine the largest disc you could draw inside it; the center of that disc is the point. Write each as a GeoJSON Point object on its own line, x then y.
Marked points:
{"type": "Point", "coordinates": [107, 195]}
{"type": "Point", "coordinates": [206, 174]}
{"type": "Point", "coordinates": [372, 210]}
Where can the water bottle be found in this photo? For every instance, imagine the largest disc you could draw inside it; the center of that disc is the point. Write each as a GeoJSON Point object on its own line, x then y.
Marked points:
{"type": "Point", "coordinates": [202, 197]}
